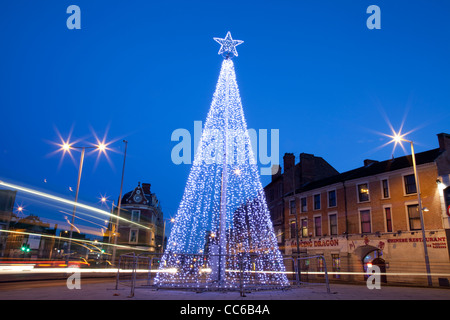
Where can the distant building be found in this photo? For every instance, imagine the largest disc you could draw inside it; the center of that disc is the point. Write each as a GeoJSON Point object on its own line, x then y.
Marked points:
{"type": "Point", "coordinates": [33, 232]}
{"type": "Point", "coordinates": [309, 168]}
{"type": "Point", "coordinates": [145, 229]}
{"type": "Point", "coordinates": [369, 215]}
{"type": "Point", "coordinates": [7, 199]}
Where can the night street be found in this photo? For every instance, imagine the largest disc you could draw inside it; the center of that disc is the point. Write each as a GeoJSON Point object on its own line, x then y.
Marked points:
{"type": "Point", "coordinates": [253, 150]}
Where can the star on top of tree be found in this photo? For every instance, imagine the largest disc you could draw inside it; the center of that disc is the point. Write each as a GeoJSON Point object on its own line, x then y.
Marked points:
{"type": "Point", "coordinates": [228, 46]}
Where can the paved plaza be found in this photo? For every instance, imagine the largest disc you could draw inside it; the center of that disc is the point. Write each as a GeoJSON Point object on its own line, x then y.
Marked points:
{"type": "Point", "coordinates": [104, 289]}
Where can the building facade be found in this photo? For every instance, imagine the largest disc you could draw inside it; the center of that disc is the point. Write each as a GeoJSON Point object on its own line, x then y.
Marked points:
{"type": "Point", "coordinates": [144, 230]}
{"type": "Point", "coordinates": [308, 169]}
{"type": "Point", "coordinates": [30, 231]}
{"type": "Point", "coordinates": [369, 216]}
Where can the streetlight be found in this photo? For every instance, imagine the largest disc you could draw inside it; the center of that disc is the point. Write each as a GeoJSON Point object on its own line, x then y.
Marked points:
{"type": "Point", "coordinates": [299, 272]}
{"type": "Point", "coordinates": [116, 226]}
{"type": "Point", "coordinates": [104, 201]}
{"type": "Point", "coordinates": [112, 225]}
{"type": "Point", "coordinates": [67, 147]}
{"type": "Point", "coordinates": [398, 139]}
{"type": "Point", "coordinates": [164, 232]}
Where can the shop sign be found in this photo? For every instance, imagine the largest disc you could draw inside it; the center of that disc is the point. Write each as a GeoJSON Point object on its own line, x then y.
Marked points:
{"type": "Point", "coordinates": [432, 242]}
{"type": "Point", "coordinates": [316, 244]}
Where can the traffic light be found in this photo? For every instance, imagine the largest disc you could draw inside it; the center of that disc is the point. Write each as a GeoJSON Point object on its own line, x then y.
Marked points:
{"type": "Point", "coordinates": [25, 248]}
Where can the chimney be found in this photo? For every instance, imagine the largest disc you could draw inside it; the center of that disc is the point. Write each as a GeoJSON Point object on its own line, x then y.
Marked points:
{"type": "Point", "coordinates": [276, 171]}
{"type": "Point", "coordinates": [146, 188]}
{"type": "Point", "coordinates": [288, 161]}
{"type": "Point", "coordinates": [444, 141]}
{"type": "Point", "coordinates": [368, 162]}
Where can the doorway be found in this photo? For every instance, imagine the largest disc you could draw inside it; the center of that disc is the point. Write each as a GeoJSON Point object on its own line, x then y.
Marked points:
{"type": "Point", "coordinates": [374, 258]}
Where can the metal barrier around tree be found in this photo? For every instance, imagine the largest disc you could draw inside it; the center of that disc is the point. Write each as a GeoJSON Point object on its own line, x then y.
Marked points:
{"type": "Point", "coordinates": [146, 271]}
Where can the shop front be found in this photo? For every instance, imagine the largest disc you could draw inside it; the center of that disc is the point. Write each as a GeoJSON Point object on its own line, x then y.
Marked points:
{"type": "Point", "coordinates": [399, 256]}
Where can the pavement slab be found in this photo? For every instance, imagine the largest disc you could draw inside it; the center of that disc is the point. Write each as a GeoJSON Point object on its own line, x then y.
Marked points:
{"type": "Point", "coordinates": [104, 289]}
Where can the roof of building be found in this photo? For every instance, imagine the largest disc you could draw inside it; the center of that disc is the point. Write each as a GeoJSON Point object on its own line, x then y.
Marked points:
{"type": "Point", "coordinates": [145, 188]}
{"type": "Point", "coordinates": [373, 168]}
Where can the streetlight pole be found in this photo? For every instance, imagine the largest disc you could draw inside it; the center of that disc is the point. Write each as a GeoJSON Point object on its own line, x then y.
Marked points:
{"type": "Point", "coordinates": [296, 224]}
{"type": "Point", "coordinates": [427, 262]}
{"type": "Point", "coordinates": [110, 227]}
{"type": "Point", "coordinates": [399, 138]}
{"type": "Point", "coordinates": [116, 227]}
{"type": "Point", "coordinates": [80, 168]}
{"type": "Point", "coordinates": [164, 233]}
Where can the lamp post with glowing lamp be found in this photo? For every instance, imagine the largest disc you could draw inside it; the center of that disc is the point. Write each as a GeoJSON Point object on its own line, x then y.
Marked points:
{"type": "Point", "coordinates": [164, 232]}
{"type": "Point", "coordinates": [112, 228]}
{"type": "Point", "coordinates": [101, 147]}
{"type": "Point", "coordinates": [116, 226]}
{"type": "Point", "coordinates": [398, 139]}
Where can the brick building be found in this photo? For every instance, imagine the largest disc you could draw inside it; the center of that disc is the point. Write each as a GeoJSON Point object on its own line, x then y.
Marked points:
{"type": "Point", "coordinates": [370, 215]}
{"type": "Point", "coordinates": [308, 169]}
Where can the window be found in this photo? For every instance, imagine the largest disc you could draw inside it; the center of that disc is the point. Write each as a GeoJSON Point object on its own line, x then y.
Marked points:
{"type": "Point", "coordinates": [292, 207]}
{"type": "Point", "coordinates": [332, 198]}
{"type": "Point", "coordinates": [385, 186]}
{"type": "Point", "coordinates": [363, 192]}
{"type": "Point", "coordinates": [303, 204]}
{"type": "Point", "coordinates": [388, 217]}
{"type": "Point", "coordinates": [410, 184]}
{"type": "Point", "coordinates": [365, 221]}
{"type": "Point", "coordinates": [133, 236]}
{"type": "Point", "coordinates": [293, 226]}
{"type": "Point", "coordinates": [318, 226]}
{"type": "Point", "coordinates": [333, 224]}
{"type": "Point", "coordinates": [320, 268]}
{"type": "Point", "coordinates": [414, 217]}
{"type": "Point", "coordinates": [135, 215]}
{"type": "Point", "coordinates": [304, 225]}
{"type": "Point", "coordinates": [336, 265]}
{"type": "Point", "coordinates": [317, 202]}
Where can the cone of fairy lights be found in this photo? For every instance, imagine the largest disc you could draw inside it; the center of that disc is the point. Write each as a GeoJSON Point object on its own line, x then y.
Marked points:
{"type": "Point", "coordinates": [223, 235]}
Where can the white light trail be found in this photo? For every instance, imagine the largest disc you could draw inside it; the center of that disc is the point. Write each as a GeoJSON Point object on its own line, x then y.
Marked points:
{"type": "Point", "coordinates": [93, 243]}
{"type": "Point", "coordinates": [70, 202]}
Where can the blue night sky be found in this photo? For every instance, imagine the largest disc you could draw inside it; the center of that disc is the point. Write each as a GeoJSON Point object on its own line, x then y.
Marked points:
{"type": "Point", "coordinates": [138, 70]}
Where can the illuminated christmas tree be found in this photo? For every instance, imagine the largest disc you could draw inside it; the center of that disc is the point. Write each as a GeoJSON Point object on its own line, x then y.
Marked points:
{"type": "Point", "coordinates": [223, 225]}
